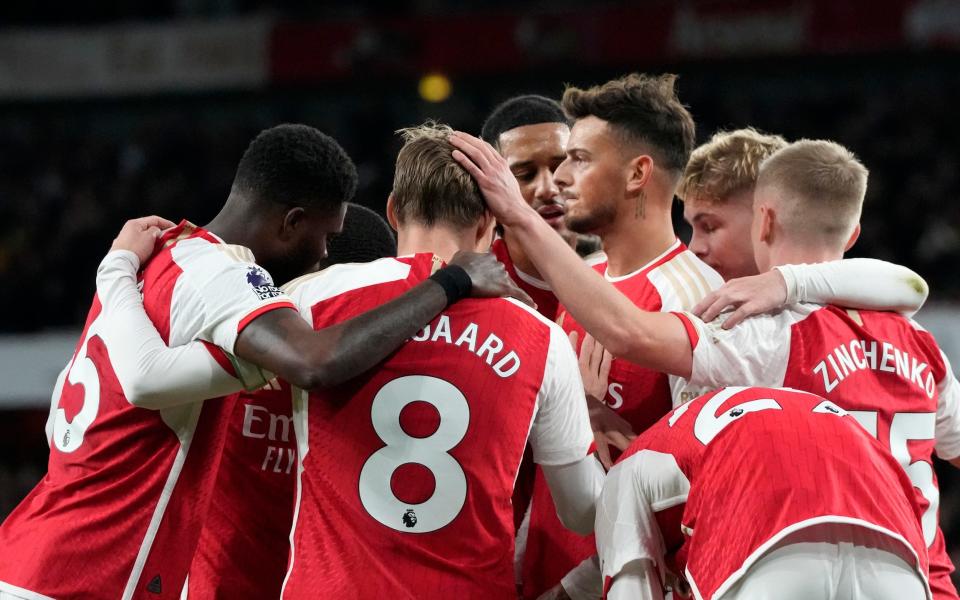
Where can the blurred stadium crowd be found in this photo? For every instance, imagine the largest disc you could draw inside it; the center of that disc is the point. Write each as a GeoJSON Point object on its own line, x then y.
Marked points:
{"type": "Point", "coordinates": [71, 172]}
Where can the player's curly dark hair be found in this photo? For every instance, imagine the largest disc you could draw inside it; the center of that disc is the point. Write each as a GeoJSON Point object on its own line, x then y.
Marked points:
{"type": "Point", "coordinates": [642, 108]}
{"type": "Point", "coordinates": [529, 109]}
{"type": "Point", "coordinates": [296, 165]}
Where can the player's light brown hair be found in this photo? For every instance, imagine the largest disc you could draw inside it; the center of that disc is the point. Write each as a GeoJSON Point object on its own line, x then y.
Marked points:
{"type": "Point", "coordinates": [643, 109]}
{"type": "Point", "coordinates": [429, 186]}
{"type": "Point", "coordinates": [726, 165]}
{"type": "Point", "coordinates": [821, 186]}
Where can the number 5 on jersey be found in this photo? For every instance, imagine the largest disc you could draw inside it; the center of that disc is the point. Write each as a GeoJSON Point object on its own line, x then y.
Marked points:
{"type": "Point", "coordinates": [82, 371]}
{"type": "Point", "coordinates": [432, 452]}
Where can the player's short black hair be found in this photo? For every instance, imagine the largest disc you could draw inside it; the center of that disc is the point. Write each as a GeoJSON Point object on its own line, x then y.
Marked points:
{"type": "Point", "coordinates": [641, 108]}
{"type": "Point", "coordinates": [366, 236]}
{"type": "Point", "coordinates": [529, 109]}
{"type": "Point", "coordinates": [296, 165]}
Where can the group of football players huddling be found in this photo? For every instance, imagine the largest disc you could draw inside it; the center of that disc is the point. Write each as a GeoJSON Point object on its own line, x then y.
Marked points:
{"type": "Point", "coordinates": [502, 410]}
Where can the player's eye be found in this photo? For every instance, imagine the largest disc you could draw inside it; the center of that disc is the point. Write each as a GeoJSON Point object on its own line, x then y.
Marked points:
{"type": "Point", "coordinates": [524, 176]}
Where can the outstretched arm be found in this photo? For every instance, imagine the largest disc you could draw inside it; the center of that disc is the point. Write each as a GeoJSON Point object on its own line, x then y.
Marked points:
{"type": "Point", "coordinates": [862, 283]}
{"type": "Point", "coordinates": [282, 342]}
{"type": "Point", "coordinates": [655, 340]}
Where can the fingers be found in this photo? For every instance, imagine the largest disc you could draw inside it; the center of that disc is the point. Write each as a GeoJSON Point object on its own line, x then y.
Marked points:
{"type": "Point", "coordinates": [704, 304]}
{"type": "Point", "coordinates": [596, 354]}
{"type": "Point", "coordinates": [605, 365]}
{"type": "Point", "coordinates": [154, 221]}
{"type": "Point", "coordinates": [467, 164]}
{"type": "Point", "coordinates": [743, 311]}
{"type": "Point", "coordinates": [515, 292]}
{"type": "Point", "coordinates": [620, 440]}
{"type": "Point", "coordinates": [483, 148]}
{"type": "Point", "coordinates": [574, 338]}
{"type": "Point", "coordinates": [719, 304]}
{"type": "Point", "coordinates": [603, 452]}
{"type": "Point", "coordinates": [471, 149]}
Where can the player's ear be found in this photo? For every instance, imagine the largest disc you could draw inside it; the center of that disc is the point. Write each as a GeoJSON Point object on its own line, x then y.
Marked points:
{"type": "Point", "coordinates": [484, 234]}
{"type": "Point", "coordinates": [292, 221]}
{"type": "Point", "coordinates": [392, 211]}
{"type": "Point", "coordinates": [639, 172]}
{"type": "Point", "coordinates": [853, 238]}
{"type": "Point", "coordinates": [768, 219]}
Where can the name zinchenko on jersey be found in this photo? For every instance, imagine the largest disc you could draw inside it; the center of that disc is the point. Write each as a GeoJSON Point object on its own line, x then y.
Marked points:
{"type": "Point", "coordinates": [856, 355]}
{"type": "Point", "coordinates": [503, 365]}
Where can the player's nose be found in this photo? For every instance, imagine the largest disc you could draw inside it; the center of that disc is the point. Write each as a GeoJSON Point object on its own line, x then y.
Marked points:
{"type": "Point", "coordinates": [546, 188]}
{"type": "Point", "coordinates": [562, 177]}
{"type": "Point", "coordinates": [698, 245]}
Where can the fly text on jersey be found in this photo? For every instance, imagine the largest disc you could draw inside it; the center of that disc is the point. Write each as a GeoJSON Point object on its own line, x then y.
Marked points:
{"type": "Point", "coordinates": [857, 355]}
{"type": "Point", "coordinates": [260, 423]}
{"type": "Point", "coordinates": [504, 365]}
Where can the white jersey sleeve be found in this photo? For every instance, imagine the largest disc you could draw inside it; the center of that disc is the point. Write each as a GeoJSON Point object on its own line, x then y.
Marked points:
{"type": "Point", "coordinates": [219, 292]}
{"type": "Point", "coordinates": [584, 581]}
{"type": "Point", "coordinates": [863, 283]}
{"type": "Point", "coordinates": [754, 353]}
{"type": "Point", "coordinates": [635, 489]}
{"type": "Point", "coordinates": [561, 432]}
{"type": "Point", "coordinates": [948, 414]}
{"type": "Point", "coordinates": [682, 282]}
{"type": "Point", "coordinates": [151, 374]}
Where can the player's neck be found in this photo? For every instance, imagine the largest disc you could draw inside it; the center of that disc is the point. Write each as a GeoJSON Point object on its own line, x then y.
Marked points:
{"type": "Point", "coordinates": [415, 239]}
{"type": "Point", "coordinates": [794, 254]}
{"type": "Point", "coordinates": [233, 230]}
{"type": "Point", "coordinates": [634, 239]}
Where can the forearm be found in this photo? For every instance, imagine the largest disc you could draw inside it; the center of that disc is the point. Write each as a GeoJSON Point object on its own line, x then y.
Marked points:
{"type": "Point", "coordinates": [151, 374]}
{"type": "Point", "coordinates": [654, 340]}
{"type": "Point", "coordinates": [863, 283]}
{"type": "Point", "coordinates": [585, 581]}
{"type": "Point", "coordinates": [638, 580]}
{"type": "Point", "coordinates": [283, 343]}
{"type": "Point", "coordinates": [575, 488]}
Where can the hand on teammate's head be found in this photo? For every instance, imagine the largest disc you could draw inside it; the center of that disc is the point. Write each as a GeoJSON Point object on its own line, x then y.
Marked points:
{"type": "Point", "coordinates": [493, 176]}
{"type": "Point", "coordinates": [140, 236]}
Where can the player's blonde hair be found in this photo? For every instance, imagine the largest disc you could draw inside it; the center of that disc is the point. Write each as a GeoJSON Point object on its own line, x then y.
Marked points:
{"type": "Point", "coordinates": [429, 186]}
{"type": "Point", "coordinates": [821, 186]}
{"type": "Point", "coordinates": [726, 165]}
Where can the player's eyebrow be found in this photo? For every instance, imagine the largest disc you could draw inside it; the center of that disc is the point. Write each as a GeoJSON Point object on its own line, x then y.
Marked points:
{"type": "Point", "coordinates": [521, 164]}
{"type": "Point", "coordinates": [701, 216]}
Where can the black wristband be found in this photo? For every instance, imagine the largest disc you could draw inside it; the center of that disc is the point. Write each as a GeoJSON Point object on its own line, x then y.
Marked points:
{"type": "Point", "coordinates": [454, 281]}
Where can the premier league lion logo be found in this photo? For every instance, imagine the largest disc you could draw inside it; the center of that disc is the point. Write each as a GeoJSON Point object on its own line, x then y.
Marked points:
{"type": "Point", "coordinates": [410, 518]}
{"type": "Point", "coordinates": [261, 283]}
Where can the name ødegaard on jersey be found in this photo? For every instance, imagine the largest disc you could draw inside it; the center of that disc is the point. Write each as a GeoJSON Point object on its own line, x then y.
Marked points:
{"type": "Point", "coordinates": [489, 350]}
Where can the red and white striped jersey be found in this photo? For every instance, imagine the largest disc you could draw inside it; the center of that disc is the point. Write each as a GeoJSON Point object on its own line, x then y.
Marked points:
{"type": "Point", "coordinates": [709, 488]}
{"type": "Point", "coordinates": [881, 367]}
{"type": "Point", "coordinates": [244, 545]}
{"type": "Point", "coordinates": [675, 280]}
{"type": "Point", "coordinates": [120, 509]}
{"type": "Point", "coordinates": [406, 473]}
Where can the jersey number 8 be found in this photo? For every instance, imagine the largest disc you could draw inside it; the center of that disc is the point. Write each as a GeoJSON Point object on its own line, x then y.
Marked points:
{"type": "Point", "coordinates": [432, 452]}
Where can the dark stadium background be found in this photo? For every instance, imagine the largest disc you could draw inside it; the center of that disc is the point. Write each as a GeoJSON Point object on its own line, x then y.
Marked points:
{"type": "Point", "coordinates": [111, 110]}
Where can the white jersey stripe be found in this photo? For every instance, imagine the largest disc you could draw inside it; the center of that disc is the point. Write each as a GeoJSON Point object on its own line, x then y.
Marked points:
{"type": "Point", "coordinates": [12, 592]}
{"type": "Point", "coordinates": [703, 287]}
{"type": "Point", "coordinates": [301, 406]}
{"type": "Point", "coordinates": [670, 272]}
{"type": "Point", "coordinates": [161, 507]}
